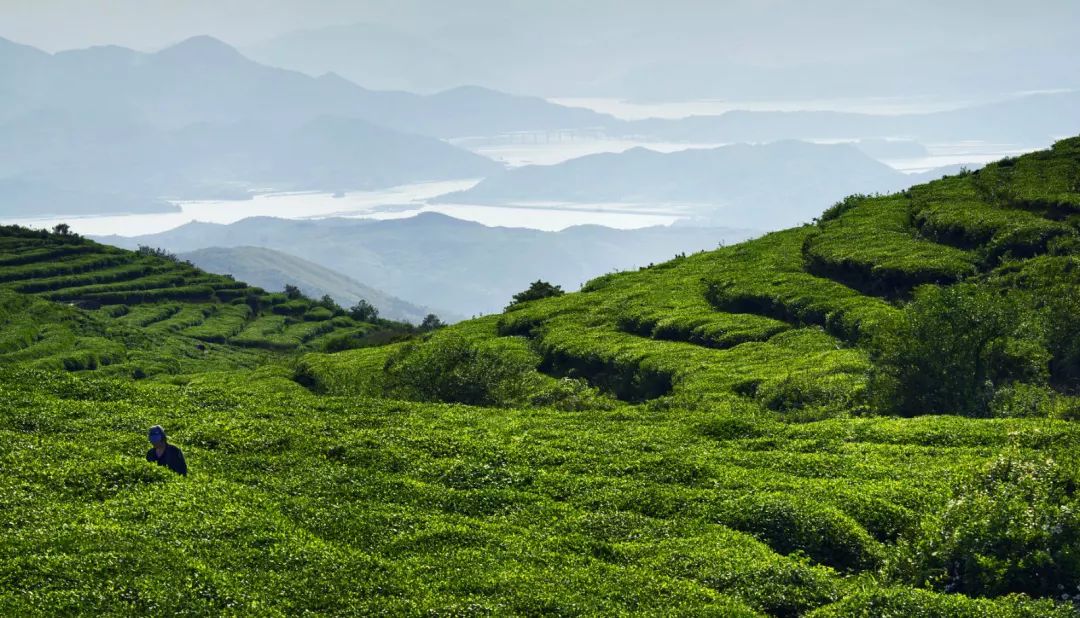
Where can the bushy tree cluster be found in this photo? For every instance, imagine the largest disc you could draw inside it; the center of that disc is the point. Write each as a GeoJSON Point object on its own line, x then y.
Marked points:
{"type": "Point", "coordinates": [953, 348]}
{"type": "Point", "coordinates": [431, 322]}
{"type": "Point", "coordinates": [1063, 337]}
{"type": "Point", "coordinates": [363, 311]}
{"type": "Point", "coordinates": [156, 252]}
{"type": "Point", "coordinates": [327, 302]}
{"type": "Point", "coordinates": [292, 292]}
{"type": "Point", "coordinates": [537, 289]}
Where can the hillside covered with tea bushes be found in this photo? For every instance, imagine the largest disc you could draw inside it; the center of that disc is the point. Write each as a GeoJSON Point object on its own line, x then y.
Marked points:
{"type": "Point", "coordinates": [871, 415]}
{"type": "Point", "coordinates": [71, 303]}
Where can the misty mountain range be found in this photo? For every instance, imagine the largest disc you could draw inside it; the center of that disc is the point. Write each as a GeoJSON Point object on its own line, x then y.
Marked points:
{"type": "Point", "coordinates": [1031, 120]}
{"type": "Point", "coordinates": [431, 259]}
{"type": "Point", "coordinates": [777, 184]}
{"type": "Point", "coordinates": [108, 129]}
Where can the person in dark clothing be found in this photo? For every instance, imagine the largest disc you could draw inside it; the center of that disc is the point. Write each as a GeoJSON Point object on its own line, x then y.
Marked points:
{"type": "Point", "coordinates": [165, 454]}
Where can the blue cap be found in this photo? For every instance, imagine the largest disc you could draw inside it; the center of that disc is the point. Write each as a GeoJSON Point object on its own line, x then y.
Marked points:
{"type": "Point", "coordinates": [157, 434]}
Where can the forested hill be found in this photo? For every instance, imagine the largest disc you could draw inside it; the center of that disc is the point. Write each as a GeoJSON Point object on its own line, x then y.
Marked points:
{"type": "Point", "coordinates": [871, 415]}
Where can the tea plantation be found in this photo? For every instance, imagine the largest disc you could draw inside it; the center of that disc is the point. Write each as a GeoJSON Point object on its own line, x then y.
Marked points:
{"type": "Point", "coordinates": [872, 415]}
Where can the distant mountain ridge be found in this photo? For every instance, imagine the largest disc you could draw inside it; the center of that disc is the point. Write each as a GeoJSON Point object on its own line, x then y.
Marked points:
{"type": "Point", "coordinates": [108, 130]}
{"type": "Point", "coordinates": [557, 50]}
{"type": "Point", "coordinates": [194, 121]}
{"type": "Point", "coordinates": [272, 270]}
{"type": "Point", "coordinates": [203, 79]}
{"type": "Point", "coordinates": [760, 186]}
{"type": "Point", "coordinates": [464, 267]}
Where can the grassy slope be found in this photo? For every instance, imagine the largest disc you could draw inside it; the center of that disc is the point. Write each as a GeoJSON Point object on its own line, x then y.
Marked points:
{"type": "Point", "coordinates": [695, 495]}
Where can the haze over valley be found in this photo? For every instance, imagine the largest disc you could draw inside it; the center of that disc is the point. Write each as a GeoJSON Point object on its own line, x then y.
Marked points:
{"type": "Point", "coordinates": [394, 115]}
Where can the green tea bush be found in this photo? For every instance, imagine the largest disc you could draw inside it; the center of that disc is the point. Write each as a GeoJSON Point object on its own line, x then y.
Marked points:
{"type": "Point", "coordinates": [735, 563]}
{"type": "Point", "coordinates": [452, 369]}
{"type": "Point", "coordinates": [224, 322]}
{"type": "Point", "coordinates": [1013, 528]}
{"type": "Point", "coordinates": [318, 314]}
{"type": "Point", "coordinates": [296, 307]}
{"type": "Point", "coordinates": [571, 394]}
{"type": "Point", "coordinates": [913, 603]}
{"type": "Point", "coordinates": [1064, 337]}
{"type": "Point", "coordinates": [791, 524]}
{"type": "Point", "coordinates": [874, 249]}
{"type": "Point", "coordinates": [814, 393]}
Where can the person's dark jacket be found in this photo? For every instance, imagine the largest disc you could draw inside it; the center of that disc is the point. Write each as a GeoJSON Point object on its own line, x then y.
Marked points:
{"type": "Point", "coordinates": [172, 457]}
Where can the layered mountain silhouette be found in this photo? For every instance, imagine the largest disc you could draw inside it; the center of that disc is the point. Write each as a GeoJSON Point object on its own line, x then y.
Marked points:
{"type": "Point", "coordinates": [460, 266]}
{"type": "Point", "coordinates": [762, 186]}
{"type": "Point", "coordinates": [109, 129]}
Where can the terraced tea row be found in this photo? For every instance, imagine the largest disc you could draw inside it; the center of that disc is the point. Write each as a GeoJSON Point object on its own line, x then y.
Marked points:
{"type": "Point", "coordinates": [747, 321]}
{"type": "Point", "coordinates": [654, 334]}
{"type": "Point", "coordinates": [145, 300]}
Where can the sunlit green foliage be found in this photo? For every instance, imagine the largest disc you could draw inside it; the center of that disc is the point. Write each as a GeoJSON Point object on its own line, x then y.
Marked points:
{"type": "Point", "coordinates": [873, 248]}
{"type": "Point", "coordinates": [303, 502]}
{"type": "Point", "coordinates": [707, 436]}
{"type": "Point", "coordinates": [953, 348]}
{"type": "Point", "coordinates": [1013, 528]}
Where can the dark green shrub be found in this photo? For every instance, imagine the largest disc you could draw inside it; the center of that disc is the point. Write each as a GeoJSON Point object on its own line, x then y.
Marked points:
{"type": "Point", "coordinates": [791, 524]}
{"type": "Point", "coordinates": [911, 603]}
{"type": "Point", "coordinates": [952, 348]}
{"type": "Point", "coordinates": [431, 322]}
{"type": "Point", "coordinates": [1022, 400]}
{"type": "Point", "coordinates": [1013, 528]}
{"type": "Point", "coordinates": [292, 292]}
{"type": "Point", "coordinates": [839, 208]}
{"type": "Point", "coordinates": [537, 290]}
{"type": "Point", "coordinates": [363, 311]}
{"type": "Point", "coordinates": [452, 369]}
{"type": "Point", "coordinates": [1064, 337]}
{"type": "Point", "coordinates": [329, 303]}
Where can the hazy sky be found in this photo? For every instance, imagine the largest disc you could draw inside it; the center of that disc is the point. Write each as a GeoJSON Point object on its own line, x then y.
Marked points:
{"type": "Point", "coordinates": [776, 30]}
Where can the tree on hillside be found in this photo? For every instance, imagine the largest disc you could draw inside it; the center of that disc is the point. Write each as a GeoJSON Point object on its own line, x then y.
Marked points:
{"type": "Point", "coordinates": [1063, 338]}
{"type": "Point", "coordinates": [537, 290]}
{"type": "Point", "coordinates": [363, 311]}
{"type": "Point", "coordinates": [62, 229]}
{"type": "Point", "coordinates": [329, 303]}
{"type": "Point", "coordinates": [158, 253]}
{"type": "Point", "coordinates": [292, 292]}
{"type": "Point", "coordinates": [952, 348]}
{"type": "Point", "coordinates": [431, 322]}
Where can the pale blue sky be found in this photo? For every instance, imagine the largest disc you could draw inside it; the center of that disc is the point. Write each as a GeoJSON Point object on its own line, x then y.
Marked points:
{"type": "Point", "coordinates": [753, 27]}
